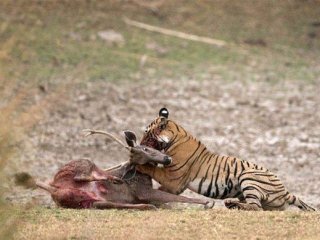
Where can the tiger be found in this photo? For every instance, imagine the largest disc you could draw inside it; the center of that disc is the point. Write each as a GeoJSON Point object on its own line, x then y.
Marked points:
{"type": "Point", "coordinates": [242, 184]}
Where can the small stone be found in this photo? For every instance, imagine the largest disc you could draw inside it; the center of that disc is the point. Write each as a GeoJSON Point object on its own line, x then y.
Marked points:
{"type": "Point", "coordinates": [111, 37]}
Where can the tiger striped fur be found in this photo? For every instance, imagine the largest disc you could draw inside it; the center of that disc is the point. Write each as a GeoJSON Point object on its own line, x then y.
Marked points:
{"type": "Point", "coordinates": [242, 184]}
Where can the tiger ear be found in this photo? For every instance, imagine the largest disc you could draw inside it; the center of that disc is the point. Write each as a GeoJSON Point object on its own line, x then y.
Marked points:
{"type": "Point", "coordinates": [164, 113]}
{"type": "Point", "coordinates": [163, 122]}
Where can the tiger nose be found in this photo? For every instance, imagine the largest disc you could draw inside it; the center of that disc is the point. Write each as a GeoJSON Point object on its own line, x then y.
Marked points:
{"type": "Point", "coordinates": [167, 160]}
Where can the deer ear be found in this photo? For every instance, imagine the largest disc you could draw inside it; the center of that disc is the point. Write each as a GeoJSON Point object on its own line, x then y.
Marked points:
{"type": "Point", "coordinates": [164, 113]}
{"type": "Point", "coordinates": [131, 138]}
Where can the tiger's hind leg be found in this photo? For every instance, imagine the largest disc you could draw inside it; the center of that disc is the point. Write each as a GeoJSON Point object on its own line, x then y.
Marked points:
{"type": "Point", "coordinates": [233, 203]}
{"type": "Point", "coordinates": [252, 199]}
{"type": "Point", "coordinates": [253, 194]}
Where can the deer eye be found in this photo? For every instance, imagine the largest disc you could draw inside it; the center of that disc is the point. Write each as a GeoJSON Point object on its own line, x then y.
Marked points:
{"type": "Point", "coordinates": [145, 149]}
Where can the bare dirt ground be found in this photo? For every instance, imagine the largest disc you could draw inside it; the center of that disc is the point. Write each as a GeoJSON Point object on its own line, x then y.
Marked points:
{"type": "Point", "coordinates": [275, 125]}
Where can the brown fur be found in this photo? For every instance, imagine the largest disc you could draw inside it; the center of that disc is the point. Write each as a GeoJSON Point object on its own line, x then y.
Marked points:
{"type": "Point", "coordinates": [81, 184]}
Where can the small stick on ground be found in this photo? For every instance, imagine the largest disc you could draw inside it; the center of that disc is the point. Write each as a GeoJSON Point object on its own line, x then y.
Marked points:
{"type": "Point", "coordinates": [192, 37]}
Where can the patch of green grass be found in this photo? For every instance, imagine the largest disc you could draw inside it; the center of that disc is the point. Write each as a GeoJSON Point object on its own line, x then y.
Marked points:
{"type": "Point", "coordinates": [43, 223]}
{"type": "Point", "coordinates": [48, 41]}
{"type": "Point", "coordinates": [8, 220]}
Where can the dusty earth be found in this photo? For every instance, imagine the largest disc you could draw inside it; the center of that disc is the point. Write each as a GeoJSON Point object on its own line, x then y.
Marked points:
{"type": "Point", "coordinates": [275, 125]}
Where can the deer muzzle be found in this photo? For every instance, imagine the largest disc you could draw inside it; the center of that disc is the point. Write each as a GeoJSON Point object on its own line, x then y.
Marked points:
{"type": "Point", "coordinates": [167, 160]}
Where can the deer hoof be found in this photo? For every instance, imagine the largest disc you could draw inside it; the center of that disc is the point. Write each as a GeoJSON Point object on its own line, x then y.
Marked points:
{"type": "Point", "coordinates": [209, 204]}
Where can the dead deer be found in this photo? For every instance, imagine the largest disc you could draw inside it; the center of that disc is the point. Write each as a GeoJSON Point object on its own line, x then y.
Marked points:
{"type": "Point", "coordinates": [81, 184]}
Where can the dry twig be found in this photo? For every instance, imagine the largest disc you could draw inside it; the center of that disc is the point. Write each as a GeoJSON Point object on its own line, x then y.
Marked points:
{"type": "Point", "coordinates": [169, 32]}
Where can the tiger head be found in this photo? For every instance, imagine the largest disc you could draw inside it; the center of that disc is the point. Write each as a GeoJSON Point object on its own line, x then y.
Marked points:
{"type": "Point", "coordinates": [161, 133]}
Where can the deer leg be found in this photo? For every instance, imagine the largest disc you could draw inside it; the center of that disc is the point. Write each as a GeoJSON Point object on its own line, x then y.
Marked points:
{"type": "Point", "coordinates": [46, 187]}
{"type": "Point", "coordinates": [108, 205]}
{"type": "Point", "coordinates": [153, 195]}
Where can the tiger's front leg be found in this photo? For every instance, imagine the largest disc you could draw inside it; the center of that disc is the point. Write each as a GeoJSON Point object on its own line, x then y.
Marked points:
{"type": "Point", "coordinates": [160, 175]}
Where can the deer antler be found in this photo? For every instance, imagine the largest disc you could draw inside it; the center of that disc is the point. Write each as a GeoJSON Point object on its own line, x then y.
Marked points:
{"type": "Point", "coordinates": [91, 132]}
